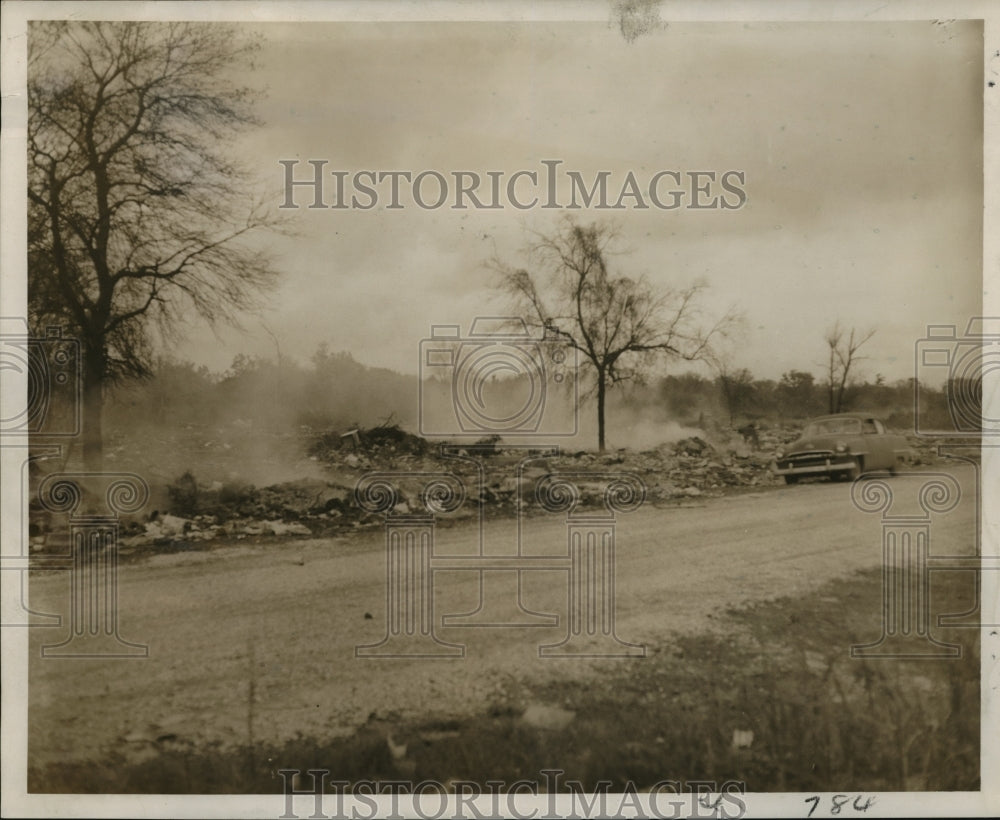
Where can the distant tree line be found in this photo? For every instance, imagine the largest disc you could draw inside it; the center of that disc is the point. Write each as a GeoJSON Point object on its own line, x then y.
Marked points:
{"type": "Point", "coordinates": [334, 391]}
{"type": "Point", "coordinates": [740, 398]}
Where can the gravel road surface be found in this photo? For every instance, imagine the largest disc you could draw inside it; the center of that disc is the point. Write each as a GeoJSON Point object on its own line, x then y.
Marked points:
{"type": "Point", "coordinates": [281, 620]}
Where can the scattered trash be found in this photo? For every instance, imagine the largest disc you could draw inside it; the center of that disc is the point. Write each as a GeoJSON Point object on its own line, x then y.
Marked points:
{"type": "Point", "coordinates": [215, 501]}
{"type": "Point", "coordinates": [283, 528]}
{"type": "Point", "coordinates": [553, 718]}
{"type": "Point", "coordinates": [397, 750]}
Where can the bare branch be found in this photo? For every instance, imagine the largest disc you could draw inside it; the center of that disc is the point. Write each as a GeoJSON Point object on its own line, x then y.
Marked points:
{"type": "Point", "coordinates": [617, 322]}
{"type": "Point", "coordinates": [842, 356]}
{"type": "Point", "coordinates": [135, 206]}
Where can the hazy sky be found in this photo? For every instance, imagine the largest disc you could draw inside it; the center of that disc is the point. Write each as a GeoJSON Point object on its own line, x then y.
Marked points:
{"type": "Point", "coordinates": [861, 144]}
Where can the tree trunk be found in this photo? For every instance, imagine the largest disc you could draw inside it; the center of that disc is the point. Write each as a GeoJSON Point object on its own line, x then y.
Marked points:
{"type": "Point", "coordinates": [830, 373]}
{"type": "Point", "coordinates": [93, 405]}
{"type": "Point", "coordinates": [601, 388]}
{"type": "Point", "coordinates": [842, 388]}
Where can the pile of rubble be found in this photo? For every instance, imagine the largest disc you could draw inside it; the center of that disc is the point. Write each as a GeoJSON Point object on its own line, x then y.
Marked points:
{"type": "Point", "coordinates": [218, 511]}
{"type": "Point", "coordinates": [690, 467]}
{"type": "Point", "coordinates": [193, 510]}
{"type": "Point", "coordinates": [677, 471]}
{"type": "Point", "coordinates": [360, 448]}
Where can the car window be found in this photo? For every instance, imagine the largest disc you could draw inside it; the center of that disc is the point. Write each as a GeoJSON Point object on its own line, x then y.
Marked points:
{"type": "Point", "coordinates": [830, 427]}
{"type": "Point", "coordinates": [879, 427]}
{"type": "Point", "coordinates": [868, 426]}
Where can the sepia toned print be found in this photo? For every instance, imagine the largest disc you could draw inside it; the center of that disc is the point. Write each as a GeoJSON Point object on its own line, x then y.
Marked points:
{"type": "Point", "coordinates": [587, 412]}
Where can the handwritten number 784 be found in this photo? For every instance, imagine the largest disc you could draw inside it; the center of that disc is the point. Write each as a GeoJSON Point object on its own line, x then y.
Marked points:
{"type": "Point", "coordinates": [838, 801]}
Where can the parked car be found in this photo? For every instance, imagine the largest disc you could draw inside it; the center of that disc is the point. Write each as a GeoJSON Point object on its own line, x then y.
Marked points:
{"type": "Point", "coordinates": [844, 445]}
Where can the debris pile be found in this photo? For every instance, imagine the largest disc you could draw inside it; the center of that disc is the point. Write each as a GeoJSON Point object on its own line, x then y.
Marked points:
{"type": "Point", "coordinates": [687, 468]}
{"type": "Point", "coordinates": [360, 448]}
{"type": "Point", "coordinates": [213, 503]}
{"type": "Point", "coordinates": [207, 512]}
{"type": "Point", "coordinates": [496, 482]}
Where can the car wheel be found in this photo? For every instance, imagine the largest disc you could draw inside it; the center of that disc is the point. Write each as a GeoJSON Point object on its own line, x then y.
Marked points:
{"type": "Point", "coordinates": [791, 479]}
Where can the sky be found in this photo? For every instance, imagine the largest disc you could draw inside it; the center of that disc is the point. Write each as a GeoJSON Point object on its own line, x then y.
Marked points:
{"type": "Point", "coordinates": [861, 145]}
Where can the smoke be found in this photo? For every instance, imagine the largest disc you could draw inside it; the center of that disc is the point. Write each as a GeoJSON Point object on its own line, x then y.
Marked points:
{"type": "Point", "coordinates": [644, 434]}
{"type": "Point", "coordinates": [255, 422]}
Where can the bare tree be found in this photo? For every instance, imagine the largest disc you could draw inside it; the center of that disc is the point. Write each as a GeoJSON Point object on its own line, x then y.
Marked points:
{"type": "Point", "coordinates": [735, 384]}
{"type": "Point", "coordinates": [843, 354]}
{"type": "Point", "coordinates": [617, 323]}
{"type": "Point", "coordinates": [138, 212]}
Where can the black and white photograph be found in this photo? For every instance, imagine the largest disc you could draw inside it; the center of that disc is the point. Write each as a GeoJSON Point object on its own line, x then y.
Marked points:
{"type": "Point", "coordinates": [572, 409]}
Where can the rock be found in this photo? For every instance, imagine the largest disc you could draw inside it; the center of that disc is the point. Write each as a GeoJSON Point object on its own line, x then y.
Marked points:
{"type": "Point", "coordinates": [541, 716]}
{"type": "Point", "coordinates": [397, 750]}
{"type": "Point", "coordinates": [167, 526]}
{"type": "Point", "coordinates": [507, 486]}
{"type": "Point", "coordinates": [692, 491]}
{"type": "Point", "coordinates": [537, 469]}
{"type": "Point", "coordinates": [816, 662]}
{"type": "Point", "coordinates": [693, 446]}
{"type": "Point", "coordinates": [285, 528]}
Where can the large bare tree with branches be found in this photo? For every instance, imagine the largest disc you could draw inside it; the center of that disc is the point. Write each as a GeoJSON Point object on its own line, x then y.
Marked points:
{"type": "Point", "coordinates": [138, 211]}
{"type": "Point", "coordinates": [842, 355]}
{"type": "Point", "coordinates": [617, 323]}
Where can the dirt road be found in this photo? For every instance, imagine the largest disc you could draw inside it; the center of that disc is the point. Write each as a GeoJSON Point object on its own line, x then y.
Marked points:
{"type": "Point", "coordinates": [259, 641]}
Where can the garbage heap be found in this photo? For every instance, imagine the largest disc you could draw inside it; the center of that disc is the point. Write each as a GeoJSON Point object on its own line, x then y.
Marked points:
{"type": "Point", "coordinates": [200, 510]}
